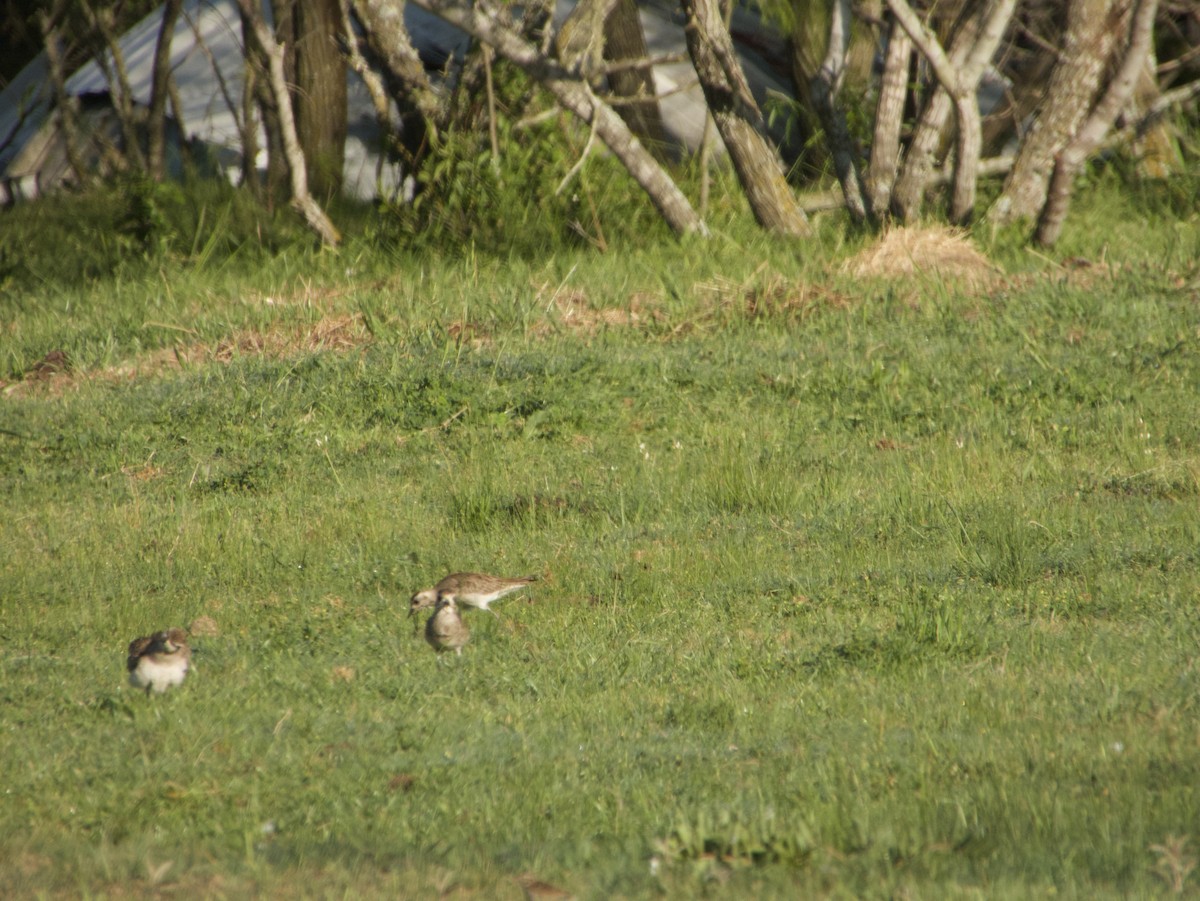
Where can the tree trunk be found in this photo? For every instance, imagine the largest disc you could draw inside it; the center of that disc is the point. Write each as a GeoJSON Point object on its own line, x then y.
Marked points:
{"type": "Point", "coordinates": [1156, 147]}
{"type": "Point", "coordinates": [156, 121]}
{"type": "Point", "coordinates": [1088, 138]}
{"type": "Point", "coordinates": [958, 76]}
{"type": "Point", "coordinates": [422, 108]}
{"type": "Point", "coordinates": [302, 199]}
{"type": "Point", "coordinates": [316, 75]}
{"type": "Point", "coordinates": [889, 121]}
{"type": "Point", "coordinates": [739, 120]}
{"type": "Point", "coordinates": [1092, 27]}
{"type": "Point", "coordinates": [823, 88]}
{"type": "Point", "coordinates": [575, 96]}
{"type": "Point", "coordinates": [65, 106]}
{"type": "Point", "coordinates": [625, 40]}
{"type": "Point", "coordinates": [102, 22]}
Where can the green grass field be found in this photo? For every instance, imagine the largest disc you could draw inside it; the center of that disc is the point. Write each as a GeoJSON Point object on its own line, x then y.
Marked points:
{"type": "Point", "coordinates": [850, 588]}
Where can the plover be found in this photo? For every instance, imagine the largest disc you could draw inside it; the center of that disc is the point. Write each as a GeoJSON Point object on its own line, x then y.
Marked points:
{"type": "Point", "coordinates": [476, 590]}
{"type": "Point", "coordinates": [537, 890]}
{"type": "Point", "coordinates": [156, 662]}
{"type": "Point", "coordinates": [444, 629]}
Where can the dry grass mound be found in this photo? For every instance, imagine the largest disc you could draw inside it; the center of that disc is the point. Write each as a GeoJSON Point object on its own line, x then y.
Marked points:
{"type": "Point", "coordinates": [929, 251]}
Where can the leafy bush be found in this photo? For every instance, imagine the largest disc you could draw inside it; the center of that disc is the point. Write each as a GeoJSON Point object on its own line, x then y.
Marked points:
{"type": "Point", "coordinates": [520, 199]}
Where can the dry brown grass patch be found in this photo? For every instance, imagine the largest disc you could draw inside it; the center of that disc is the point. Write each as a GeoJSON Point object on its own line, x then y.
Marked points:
{"type": "Point", "coordinates": [337, 333]}
{"type": "Point", "coordinates": [925, 251]}
{"type": "Point", "coordinates": [575, 312]}
{"type": "Point", "coordinates": [770, 294]}
{"type": "Point", "coordinates": [343, 332]}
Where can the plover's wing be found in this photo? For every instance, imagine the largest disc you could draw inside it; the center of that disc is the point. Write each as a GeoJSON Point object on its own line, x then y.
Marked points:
{"type": "Point", "coordinates": [137, 648]}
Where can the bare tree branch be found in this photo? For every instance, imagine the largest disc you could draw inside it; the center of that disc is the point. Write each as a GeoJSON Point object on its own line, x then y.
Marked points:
{"type": "Point", "coordinates": [960, 79]}
{"type": "Point", "coordinates": [234, 108]}
{"type": "Point", "coordinates": [118, 80]}
{"type": "Point", "coordinates": [388, 38]}
{"type": "Point", "coordinates": [643, 63]}
{"type": "Point", "coordinates": [302, 200]}
{"type": "Point", "coordinates": [374, 84]}
{"type": "Point", "coordinates": [65, 106]}
{"type": "Point", "coordinates": [482, 23]}
{"type": "Point", "coordinates": [1164, 102]}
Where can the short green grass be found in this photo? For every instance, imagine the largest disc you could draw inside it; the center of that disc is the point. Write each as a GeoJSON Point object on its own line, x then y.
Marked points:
{"type": "Point", "coordinates": [890, 594]}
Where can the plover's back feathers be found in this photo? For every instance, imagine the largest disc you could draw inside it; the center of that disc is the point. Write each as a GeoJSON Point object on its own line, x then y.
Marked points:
{"type": "Point", "coordinates": [476, 590]}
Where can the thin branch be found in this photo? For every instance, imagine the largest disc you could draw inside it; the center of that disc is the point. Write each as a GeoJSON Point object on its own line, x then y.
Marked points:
{"type": "Point", "coordinates": [575, 169]}
{"type": "Point", "coordinates": [222, 85]}
{"type": "Point", "coordinates": [682, 88]}
{"type": "Point", "coordinates": [389, 40]}
{"type": "Point", "coordinates": [493, 136]}
{"type": "Point", "coordinates": [646, 62]}
{"type": "Point", "coordinates": [1179, 62]}
{"type": "Point", "coordinates": [1159, 107]}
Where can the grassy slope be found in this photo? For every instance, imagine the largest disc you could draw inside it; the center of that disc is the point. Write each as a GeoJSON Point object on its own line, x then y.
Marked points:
{"type": "Point", "coordinates": [894, 592]}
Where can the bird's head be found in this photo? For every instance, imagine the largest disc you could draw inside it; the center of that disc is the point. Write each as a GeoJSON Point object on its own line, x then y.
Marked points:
{"type": "Point", "coordinates": [422, 600]}
{"type": "Point", "coordinates": [173, 639]}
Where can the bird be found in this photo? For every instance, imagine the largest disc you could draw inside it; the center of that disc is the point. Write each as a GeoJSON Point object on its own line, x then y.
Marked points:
{"type": "Point", "coordinates": [476, 590]}
{"type": "Point", "coordinates": [445, 630]}
{"type": "Point", "coordinates": [537, 890]}
{"type": "Point", "coordinates": [156, 662]}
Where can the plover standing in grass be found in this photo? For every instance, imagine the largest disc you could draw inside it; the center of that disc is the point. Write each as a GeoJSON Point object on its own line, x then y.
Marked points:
{"type": "Point", "coordinates": [156, 662]}
{"type": "Point", "coordinates": [476, 590]}
{"type": "Point", "coordinates": [537, 890]}
{"type": "Point", "coordinates": [444, 629]}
